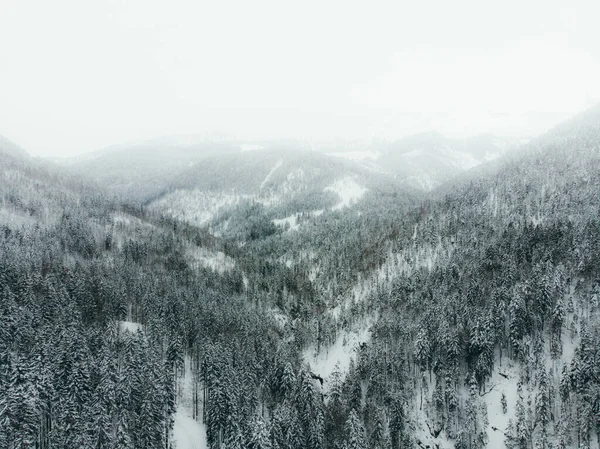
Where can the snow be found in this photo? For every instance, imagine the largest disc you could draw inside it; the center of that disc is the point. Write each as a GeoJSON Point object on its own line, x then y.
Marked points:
{"type": "Point", "coordinates": [215, 260]}
{"type": "Point", "coordinates": [422, 178]}
{"type": "Point", "coordinates": [250, 147]}
{"type": "Point", "coordinates": [497, 418]}
{"type": "Point", "coordinates": [339, 354]}
{"type": "Point", "coordinates": [463, 161]}
{"type": "Point", "coordinates": [196, 206]}
{"type": "Point", "coordinates": [292, 220]}
{"type": "Point", "coordinates": [270, 174]}
{"type": "Point", "coordinates": [188, 433]}
{"type": "Point", "coordinates": [129, 326]}
{"type": "Point", "coordinates": [342, 351]}
{"type": "Point", "coordinates": [348, 190]}
{"type": "Point", "coordinates": [15, 218]}
{"type": "Point", "coordinates": [357, 156]}
{"type": "Point", "coordinates": [127, 220]}
{"type": "Point", "coordinates": [421, 423]}
{"type": "Point", "coordinates": [280, 318]}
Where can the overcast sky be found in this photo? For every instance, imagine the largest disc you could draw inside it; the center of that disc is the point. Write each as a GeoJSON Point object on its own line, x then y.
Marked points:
{"type": "Point", "coordinates": [78, 75]}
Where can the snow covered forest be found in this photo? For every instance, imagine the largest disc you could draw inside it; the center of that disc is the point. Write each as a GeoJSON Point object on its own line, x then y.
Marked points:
{"type": "Point", "coordinates": [317, 302]}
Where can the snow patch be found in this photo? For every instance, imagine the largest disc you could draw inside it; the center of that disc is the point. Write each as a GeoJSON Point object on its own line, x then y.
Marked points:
{"type": "Point", "coordinates": [280, 318]}
{"type": "Point", "coordinates": [463, 161]}
{"type": "Point", "coordinates": [197, 206]}
{"type": "Point", "coordinates": [292, 220]}
{"type": "Point", "coordinates": [496, 417]}
{"type": "Point", "coordinates": [188, 433]}
{"type": "Point", "coordinates": [270, 174]}
{"type": "Point", "coordinates": [214, 260]}
{"type": "Point", "coordinates": [337, 355]}
{"type": "Point", "coordinates": [15, 218]}
{"type": "Point", "coordinates": [348, 190]}
{"type": "Point", "coordinates": [129, 326]}
{"type": "Point", "coordinates": [126, 220]}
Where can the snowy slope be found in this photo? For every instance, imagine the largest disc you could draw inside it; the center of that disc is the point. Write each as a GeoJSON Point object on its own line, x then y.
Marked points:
{"type": "Point", "coordinates": [292, 221]}
{"type": "Point", "coordinates": [339, 355]}
{"type": "Point", "coordinates": [348, 190]}
{"type": "Point", "coordinates": [214, 260]}
{"type": "Point", "coordinates": [270, 174]}
{"type": "Point", "coordinates": [196, 206]}
{"type": "Point", "coordinates": [188, 433]}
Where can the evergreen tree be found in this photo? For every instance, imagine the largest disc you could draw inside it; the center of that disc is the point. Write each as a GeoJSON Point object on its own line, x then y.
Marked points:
{"type": "Point", "coordinates": [355, 432]}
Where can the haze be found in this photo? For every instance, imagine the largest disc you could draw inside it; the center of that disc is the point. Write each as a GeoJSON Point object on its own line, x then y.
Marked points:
{"type": "Point", "coordinates": [77, 76]}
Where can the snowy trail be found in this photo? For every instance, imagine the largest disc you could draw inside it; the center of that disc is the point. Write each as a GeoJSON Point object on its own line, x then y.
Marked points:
{"type": "Point", "coordinates": [188, 433]}
{"type": "Point", "coordinates": [270, 174]}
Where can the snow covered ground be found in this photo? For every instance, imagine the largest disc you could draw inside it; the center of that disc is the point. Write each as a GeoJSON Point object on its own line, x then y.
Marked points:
{"type": "Point", "coordinates": [15, 218]}
{"type": "Point", "coordinates": [497, 418]}
{"type": "Point", "coordinates": [127, 220]}
{"type": "Point", "coordinates": [215, 260]}
{"type": "Point", "coordinates": [348, 190]}
{"type": "Point", "coordinates": [338, 355]}
{"type": "Point", "coordinates": [188, 433]}
{"type": "Point", "coordinates": [270, 174]}
{"type": "Point", "coordinates": [292, 220]}
{"type": "Point", "coordinates": [196, 206]}
{"type": "Point", "coordinates": [129, 326]}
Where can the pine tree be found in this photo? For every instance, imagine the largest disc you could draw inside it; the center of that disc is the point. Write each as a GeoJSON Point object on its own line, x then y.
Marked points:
{"type": "Point", "coordinates": [523, 434]}
{"type": "Point", "coordinates": [471, 413]}
{"type": "Point", "coordinates": [259, 435]}
{"type": "Point", "coordinates": [397, 423]}
{"type": "Point", "coordinates": [122, 439]}
{"type": "Point", "coordinates": [379, 437]}
{"type": "Point", "coordinates": [20, 413]}
{"type": "Point", "coordinates": [355, 432]}
{"type": "Point", "coordinates": [542, 403]}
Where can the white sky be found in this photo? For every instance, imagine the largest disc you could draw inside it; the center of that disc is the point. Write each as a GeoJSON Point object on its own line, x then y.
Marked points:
{"type": "Point", "coordinates": [77, 75]}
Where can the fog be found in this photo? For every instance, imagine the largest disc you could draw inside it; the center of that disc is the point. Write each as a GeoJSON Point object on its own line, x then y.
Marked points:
{"type": "Point", "coordinates": [77, 76]}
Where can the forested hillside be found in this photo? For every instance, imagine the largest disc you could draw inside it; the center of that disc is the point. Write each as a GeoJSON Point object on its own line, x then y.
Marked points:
{"type": "Point", "coordinates": [493, 344]}
{"type": "Point", "coordinates": [337, 317]}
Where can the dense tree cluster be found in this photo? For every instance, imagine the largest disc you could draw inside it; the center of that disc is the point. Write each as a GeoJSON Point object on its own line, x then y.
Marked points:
{"type": "Point", "coordinates": [496, 274]}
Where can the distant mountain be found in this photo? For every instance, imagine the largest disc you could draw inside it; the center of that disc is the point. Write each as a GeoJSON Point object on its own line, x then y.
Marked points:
{"type": "Point", "coordinates": [35, 192]}
{"type": "Point", "coordinates": [584, 128]}
{"type": "Point", "coordinates": [427, 160]}
{"type": "Point", "coordinates": [9, 147]}
{"type": "Point", "coordinates": [142, 170]}
{"type": "Point", "coordinates": [286, 182]}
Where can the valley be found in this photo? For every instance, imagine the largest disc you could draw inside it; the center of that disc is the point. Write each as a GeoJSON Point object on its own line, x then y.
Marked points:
{"type": "Point", "coordinates": [274, 297]}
